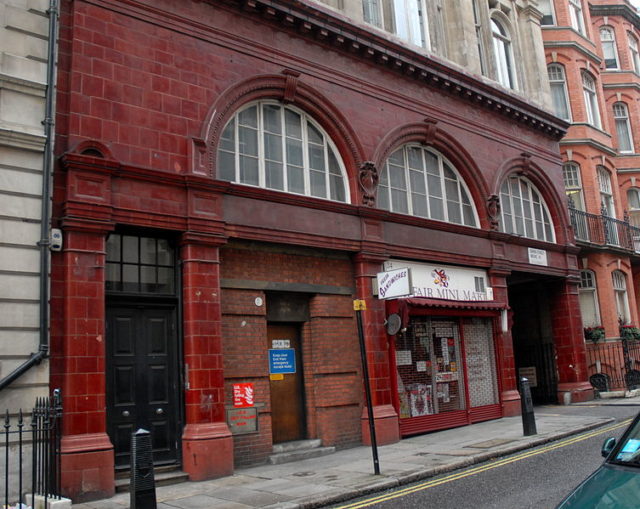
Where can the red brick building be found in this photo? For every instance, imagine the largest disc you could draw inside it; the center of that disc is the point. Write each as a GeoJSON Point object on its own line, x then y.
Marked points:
{"type": "Point", "coordinates": [593, 65]}
{"type": "Point", "coordinates": [232, 175]}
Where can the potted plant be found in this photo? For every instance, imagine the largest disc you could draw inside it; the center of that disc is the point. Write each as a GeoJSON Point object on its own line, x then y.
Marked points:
{"type": "Point", "coordinates": [595, 333]}
{"type": "Point", "coordinates": [629, 332]}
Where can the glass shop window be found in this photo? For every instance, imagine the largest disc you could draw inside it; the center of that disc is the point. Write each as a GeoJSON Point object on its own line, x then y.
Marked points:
{"type": "Point", "coordinates": [140, 265]}
{"type": "Point", "coordinates": [429, 368]}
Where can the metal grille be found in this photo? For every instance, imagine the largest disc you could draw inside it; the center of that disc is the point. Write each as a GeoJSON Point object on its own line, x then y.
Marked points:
{"type": "Point", "coordinates": [481, 362]}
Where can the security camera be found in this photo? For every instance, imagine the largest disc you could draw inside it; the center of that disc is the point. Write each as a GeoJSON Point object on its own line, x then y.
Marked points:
{"type": "Point", "coordinates": [55, 240]}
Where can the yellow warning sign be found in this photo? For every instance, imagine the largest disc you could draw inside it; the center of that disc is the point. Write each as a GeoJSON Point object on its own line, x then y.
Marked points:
{"type": "Point", "coordinates": [276, 376]}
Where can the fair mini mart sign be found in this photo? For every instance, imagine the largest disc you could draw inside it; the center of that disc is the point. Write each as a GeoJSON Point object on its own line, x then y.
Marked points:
{"type": "Point", "coordinates": [435, 281]}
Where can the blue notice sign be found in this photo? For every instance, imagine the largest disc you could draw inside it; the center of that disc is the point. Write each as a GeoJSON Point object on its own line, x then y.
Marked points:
{"type": "Point", "coordinates": [282, 360]}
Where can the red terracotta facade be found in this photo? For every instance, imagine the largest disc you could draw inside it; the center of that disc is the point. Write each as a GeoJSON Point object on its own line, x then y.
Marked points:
{"type": "Point", "coordinates": [145, 90]}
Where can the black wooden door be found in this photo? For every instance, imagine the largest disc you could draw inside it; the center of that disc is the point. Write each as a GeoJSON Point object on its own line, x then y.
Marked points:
{"type": "Point", "coordinates": [142, 380]}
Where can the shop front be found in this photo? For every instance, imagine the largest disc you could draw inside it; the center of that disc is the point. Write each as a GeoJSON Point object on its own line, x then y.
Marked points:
{"type": "Point", "coordinates": [444, 349]}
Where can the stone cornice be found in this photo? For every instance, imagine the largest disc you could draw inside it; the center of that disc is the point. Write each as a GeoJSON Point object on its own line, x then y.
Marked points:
{"type": "Point", "coordinates": [574, 45]}
{"type": "Point", "coordinates": [588, 141]}
{"type": "Point", "coordinates": [623, 10]}
{"type": "Point", "coordinates": [330, 28]}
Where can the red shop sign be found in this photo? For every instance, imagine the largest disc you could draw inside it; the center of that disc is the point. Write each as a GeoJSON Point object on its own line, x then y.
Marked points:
{"type": "Point", "coordinates": [243, 395]}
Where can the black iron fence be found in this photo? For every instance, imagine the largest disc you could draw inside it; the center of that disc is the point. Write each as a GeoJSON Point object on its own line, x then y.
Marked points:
{"type": "Point", "coordinates": [604, 230]}
{"type": "Point", "coordinates": [32, 454]}
{"type": "Point", "coordinates": [614, 365]}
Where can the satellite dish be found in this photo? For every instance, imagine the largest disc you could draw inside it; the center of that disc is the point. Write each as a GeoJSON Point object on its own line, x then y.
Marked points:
{"type": "Point", "coordinates": [393, 324]}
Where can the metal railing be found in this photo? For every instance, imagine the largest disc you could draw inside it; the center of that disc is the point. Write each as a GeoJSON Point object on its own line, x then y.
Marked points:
{"type": "Point", "coordinates": [604, 230]}
{"type": "Point", "coordinates": [614, 365]}
{"type": "Point", "coordinates": [32, 455]}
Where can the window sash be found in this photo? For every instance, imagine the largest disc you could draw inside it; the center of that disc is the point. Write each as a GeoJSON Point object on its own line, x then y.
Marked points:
{"type": "Point", "coordinates": [577, 19]}
{"type": "Point", "coordinates": [524, 211]}
{"type": "Point", "coordinates": [280, 148]}
{"type": "Point", "coordinates": [420, 182]}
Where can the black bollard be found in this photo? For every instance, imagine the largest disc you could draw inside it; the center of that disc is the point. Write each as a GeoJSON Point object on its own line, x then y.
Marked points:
{"type": "Point", "coordinates": [526, 403]}
{"type": "Point", "coordinates": [143, 487]}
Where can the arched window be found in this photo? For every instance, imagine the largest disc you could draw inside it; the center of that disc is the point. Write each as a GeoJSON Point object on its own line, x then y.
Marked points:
{"type": "Point", "coordinates": [573, 184]}
{"type": "Point", "coordinates": [608, 41]}
{"type": "Point", "coordinates": [606, 191]}
{"type": "Point", "coordinates": [633, 202]}
{"type": "Point", "coordinates": [419, 181]}
{"type": "Point", "coordinates": [635, 54]}
{"type": "Point", "coordinates": [577, 17]}
{"type": "Point", "coordinates": [279, 147]}
{"type": "Point", "coordinates": [623, 127]}
{"type": "Point", "coordinates": [619, 281]}
{"type": "Point", "coordinates": [589, 308]}
{"type": "Point", "coordinates": [590, 99]}
{"type": "Point", "coordinates": [559, 94]}
{"type": "Point", "coordinates": [503, 54]}
{"type": "Point", "coordinates": [524, 212]}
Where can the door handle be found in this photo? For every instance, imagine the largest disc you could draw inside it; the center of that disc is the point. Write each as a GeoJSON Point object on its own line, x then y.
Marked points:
{"type": "Point", "coordinates": [159, 411]}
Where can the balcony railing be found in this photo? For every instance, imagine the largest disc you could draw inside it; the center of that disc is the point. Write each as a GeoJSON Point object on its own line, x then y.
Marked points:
{"type": "Point", "coordinates": [604, 230]}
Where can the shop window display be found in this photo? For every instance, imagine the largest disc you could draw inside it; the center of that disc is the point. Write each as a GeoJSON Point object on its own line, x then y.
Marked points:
{"type": "Point", "coordinates": [428, 362]}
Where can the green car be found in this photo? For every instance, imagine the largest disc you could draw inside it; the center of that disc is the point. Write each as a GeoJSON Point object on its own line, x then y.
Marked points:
{"type": "Point", "coordinates": [616, 484]}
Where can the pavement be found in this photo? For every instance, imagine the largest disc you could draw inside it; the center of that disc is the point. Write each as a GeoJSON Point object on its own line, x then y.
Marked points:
{"type": "Point", "coordinates": [349, 473]}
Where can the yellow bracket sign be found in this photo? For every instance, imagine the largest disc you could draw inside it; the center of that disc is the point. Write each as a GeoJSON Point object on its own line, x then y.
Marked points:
{"type": "Point", "coordinates": [359, 305]}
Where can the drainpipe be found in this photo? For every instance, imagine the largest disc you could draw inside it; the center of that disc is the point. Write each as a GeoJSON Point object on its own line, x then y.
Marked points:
{"type": "Point", "coordinates": [47, 171]}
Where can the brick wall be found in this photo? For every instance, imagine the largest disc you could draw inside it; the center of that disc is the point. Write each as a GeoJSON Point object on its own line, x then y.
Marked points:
{"type": "Point", "coordinates": [330, 351]}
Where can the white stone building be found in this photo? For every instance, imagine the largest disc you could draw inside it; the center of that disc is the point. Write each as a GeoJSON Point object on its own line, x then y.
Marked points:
{"type": "Point", "coordinates": [25, 164]}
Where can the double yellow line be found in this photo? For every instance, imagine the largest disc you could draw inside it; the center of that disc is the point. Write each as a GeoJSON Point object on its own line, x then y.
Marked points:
{"type": "Point", "coordinates": [483, 468]}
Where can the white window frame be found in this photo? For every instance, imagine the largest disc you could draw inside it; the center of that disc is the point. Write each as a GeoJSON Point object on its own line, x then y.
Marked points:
{"type": "Point", "coordinates": [623, 128]}
{"type": "Point", "coordinates": [619, 283]}
{"type": "Point", "coordinates": [635, 52]}
{"type": "Point", "coordinates": [328, 148]}
{"type": "Point", "coordinates": [577, 16]}
{"type": "Point", "coordinates": [524, 211]}
{"type": "Point", "coordinates": [557, 80]}
{"type": "Point", "coordinates": [606, 191]}
{"type": "Point", "coordinates": [548, 16]}
{"type": "Point", "coordinates": [405, 23]}
{"type": "Point", "coordinates": [573, 184]}
{"type": "Point", "coordinates": [430, 191]}
{"type": "Point", "coordinates": [608, 42]}
{"type": "Point", "coordinates": [591, 100]}
{"type": "Point", "coordinates": [482, 54]}
{"type": "Point", "coordinates": [503, 53]}
{"type": "Point", "coordinates": [588, 296]}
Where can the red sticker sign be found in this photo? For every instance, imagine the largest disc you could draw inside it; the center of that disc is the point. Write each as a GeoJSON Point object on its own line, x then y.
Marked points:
{"type": "Point", "coordinates": [243, 395]}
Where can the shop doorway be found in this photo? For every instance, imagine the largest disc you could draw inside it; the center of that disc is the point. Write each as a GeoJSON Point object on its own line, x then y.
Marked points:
{"type": "Point", "coordinates": [288, 416]}
{"type": "Point", "coordinates": [142, 380]}
{"type": "Point", "coordinates": [532, 335]}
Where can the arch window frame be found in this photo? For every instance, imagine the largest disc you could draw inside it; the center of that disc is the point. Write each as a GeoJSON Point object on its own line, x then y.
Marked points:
{"type": "Point", "coordinates": [633, 203]}
{"type": "Point", "coordinates": [572, 178]}
{"type": "Point", "coordinates": [623, 127]}
{"type": "Point", "coordinates": [524, 211]}
{"type": "Point", "coordinates": [503, 53]}
{"type": "Point", "coordinates": [590, 95]}
{"type": "Point", "coordinates": [559, 92]}
{"type": "Point", "coordinates": [308, 157]}
{"type": "Point", "coordinates": [619, 285]}
{"type": "Point", "coordinates": [588, 297]}
{"type": "Point", "coordinates": [609, 47]}
{"type": "Point", "coordinates": [607, 203]}
{"type": "Point", "coordinates": [417, 180]}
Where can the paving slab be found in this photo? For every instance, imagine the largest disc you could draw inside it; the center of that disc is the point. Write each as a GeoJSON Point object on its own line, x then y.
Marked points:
{"type": "Point", "coordinates": [349, 473]}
